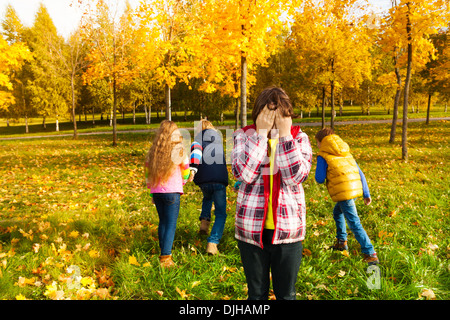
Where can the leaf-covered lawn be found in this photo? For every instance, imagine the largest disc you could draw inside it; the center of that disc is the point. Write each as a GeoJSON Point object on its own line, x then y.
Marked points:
{"type": "Point", "coordinates": [77, 223]}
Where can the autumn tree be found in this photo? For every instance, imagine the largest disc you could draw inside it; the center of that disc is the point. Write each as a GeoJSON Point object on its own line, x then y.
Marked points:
{"type": "Point", "coordinates": [72, 60]}
{"type": "Point", "coordinates": [236, 37]}
{"type": "Point", "coordinates": [166, 29]}
{"type": "Point", "coordinates": [14, 53]}
{"type": "Point", "coordinates": [333, 43]}
{"type": "Point", "coordinates": [49, 90]}
{"type": "Point", "coordinates": [410, 25]}
{"type": "Point", "coordinates": [11, 58]}
{"type": "Point", "coordinates": [436, 72]}
{"type": "Point", "coordinates": [109, 36]}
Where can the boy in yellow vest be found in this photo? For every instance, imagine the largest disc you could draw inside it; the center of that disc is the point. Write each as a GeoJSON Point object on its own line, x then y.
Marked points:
{"type": "Point", "coordinates": [345, 182]}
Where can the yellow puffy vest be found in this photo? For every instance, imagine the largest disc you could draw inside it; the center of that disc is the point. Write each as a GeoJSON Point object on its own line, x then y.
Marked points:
{"type": "Point", "coordinates": [343, 179]}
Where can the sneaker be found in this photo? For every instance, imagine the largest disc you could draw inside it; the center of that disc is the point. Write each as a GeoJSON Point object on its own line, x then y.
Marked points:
{"type": "Point", "coordinates": [204, 226]}
{"type": "Point", "coordinates": [340, 245]}
{"type": "Point", "coordinates": [371, 259]}
{"type": "Point", "coordinates": [166, 261]}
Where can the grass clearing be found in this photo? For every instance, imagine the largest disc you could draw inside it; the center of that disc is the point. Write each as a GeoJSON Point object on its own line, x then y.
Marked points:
{"type": "Point", "coordinates": [82, 203]}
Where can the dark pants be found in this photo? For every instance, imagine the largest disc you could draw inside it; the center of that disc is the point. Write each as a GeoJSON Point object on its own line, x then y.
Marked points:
{"type": "Point", "coordinates": [283, 260]}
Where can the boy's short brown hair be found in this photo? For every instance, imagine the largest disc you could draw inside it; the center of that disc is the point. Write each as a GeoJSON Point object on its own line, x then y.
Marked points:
{"type": "Point", "coordinates": [323, 133]}
{"type": "Point", "coordinates": [274, 98]}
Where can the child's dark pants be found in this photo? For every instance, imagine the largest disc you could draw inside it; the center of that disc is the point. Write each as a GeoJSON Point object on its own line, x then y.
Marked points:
{"type": "Point", "coordinates": [283, 260]}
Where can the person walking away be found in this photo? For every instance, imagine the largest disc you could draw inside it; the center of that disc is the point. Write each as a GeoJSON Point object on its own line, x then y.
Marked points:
{"type": "Point", "coordinates": [345, 181]}
{"type": "Point", "coordinates": [209, 171]}
{"type": "Point", "coordinates": [166, 172]}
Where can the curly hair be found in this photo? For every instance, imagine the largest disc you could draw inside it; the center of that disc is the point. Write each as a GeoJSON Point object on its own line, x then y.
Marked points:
{"type": "Point", "coordinates": [164, 154]}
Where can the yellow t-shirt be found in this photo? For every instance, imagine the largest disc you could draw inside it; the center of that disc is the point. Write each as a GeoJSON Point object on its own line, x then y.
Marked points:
{"type": "Point", "coordinates": [269, 223]}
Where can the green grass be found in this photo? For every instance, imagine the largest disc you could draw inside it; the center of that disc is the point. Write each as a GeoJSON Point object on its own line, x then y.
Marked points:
{"type": "Point", "coordinates": [83, 202]}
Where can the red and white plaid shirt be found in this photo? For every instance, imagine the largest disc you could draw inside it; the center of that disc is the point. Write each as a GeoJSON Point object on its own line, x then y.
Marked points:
{"type": "Point", "coordinates": [250, 164]}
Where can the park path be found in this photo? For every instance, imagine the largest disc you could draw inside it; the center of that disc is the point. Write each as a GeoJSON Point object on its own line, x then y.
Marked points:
{"type": "Point", "coordinates": [306, 124]}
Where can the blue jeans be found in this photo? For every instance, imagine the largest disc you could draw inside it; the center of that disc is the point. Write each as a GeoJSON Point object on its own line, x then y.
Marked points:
{"type": "Point", "coordinates": [168, 207]}
{"type": "Point", "coordinates": [216, 192]}
{"type": "Point", "coordinates": [346, 210]}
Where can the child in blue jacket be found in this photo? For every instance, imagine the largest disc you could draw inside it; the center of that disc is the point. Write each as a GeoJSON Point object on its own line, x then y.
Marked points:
{"type": "Point", "coordinates": [345, 181]}
{"type": "Point", "coordinates": [207, 164]}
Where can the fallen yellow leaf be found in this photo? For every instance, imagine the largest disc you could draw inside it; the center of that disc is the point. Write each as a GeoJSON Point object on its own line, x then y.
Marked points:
{"type": "Point", "coordinates": [94, 253]}
{"type": "Point", "coordinates": [428, 293]}
{"type": "Point", "coordinates": [74, 234]}
{"type": "Point", "coordinates": [22, 282]}
{"type": "Point", "coordinates": [102, 293]}
{"type": "Point", "coordinates": [345, 253]}
{"type": "Point", "coordinates": [182, 293]}
{"type": "Point", "coordinates": [132, 260]}
{"type": "Point", "coordinates": [393, 213]}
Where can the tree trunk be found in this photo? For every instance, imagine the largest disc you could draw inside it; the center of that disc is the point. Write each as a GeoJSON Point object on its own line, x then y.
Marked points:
{"type": "Point", "coordinates": [57, 124]}
{"type": "Point", "coordinates": [332, 95]}
{"type": "Point", "coordinates": [114, 115]}
{"type": "Point", "coordinates": [26, 115]}
{"type": "Point", "coordinates": [168, 102]}
{"type": "Point", "coordinates": [75, 133]}
{"type": "Point", "coordinates": [236, 114]}
{"type": "Point", "coordinates": [428, 108]}
{"type": "Point", "coordinates": [149, 112]}
{"type": "Point", "coordinates": [323, 107]}
{"type": "Point", "coordinates": [397, 99]}
{"type": "Point", "coordinates": [332, 105]}
{"type": "Point", "coordinates": [134, 112]}
{"type": "Point", "coordinates": [407, 84]}
{"type": "Point", "coordinates": [236, 107]}
{"type": "Point", "coordinates": [243, 91]}
{"type": "Point", "coordinates": [146, 114]}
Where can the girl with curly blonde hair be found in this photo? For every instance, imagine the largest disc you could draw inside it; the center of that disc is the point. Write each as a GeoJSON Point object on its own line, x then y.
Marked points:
{"type": "Point", "coordinates": [167, 170]}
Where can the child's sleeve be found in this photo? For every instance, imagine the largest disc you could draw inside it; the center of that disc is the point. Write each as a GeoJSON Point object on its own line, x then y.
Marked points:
{"type": "Point", "coordinates": [321, 170]}
{"type": "Point", "coordinates": [366, 192]}
{"type": "Point", "coordinates": [249, 152]}
{"type": "Point", "coordinates": [196, 156]}
{"type": "Point", "coordinates": [293, 158]}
